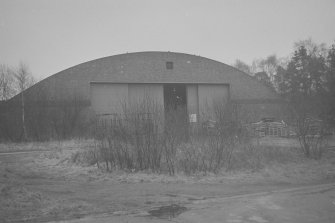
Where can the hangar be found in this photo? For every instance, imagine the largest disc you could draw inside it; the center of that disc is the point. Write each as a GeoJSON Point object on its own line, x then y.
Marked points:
{"type": "Point", "coordinates": [172, 80]}
{"type": "Point", "coordinates": [175, 80]}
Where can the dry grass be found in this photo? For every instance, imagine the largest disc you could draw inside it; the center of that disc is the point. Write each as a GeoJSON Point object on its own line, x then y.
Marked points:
{"type": "Point", "coordinates": [45, 146]}
{"type": "Point", "coordinates": [276, 142]}
{"type": "Point", "coordinates": [19, 203]}
{"type": "Point", "coordinates": [70, 160]}
{"type": "Point", "coordinates": [249, 164]}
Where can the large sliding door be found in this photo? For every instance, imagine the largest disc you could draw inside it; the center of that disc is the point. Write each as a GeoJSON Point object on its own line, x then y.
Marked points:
{"type": "Point", "coordinates": [199, 102]}
{"type": "Point", "coordinates": [140, 94]}
{"type": "Point", "coordinates": [212, 99]}
{"type": "Point", "coordinates": [108, 99]}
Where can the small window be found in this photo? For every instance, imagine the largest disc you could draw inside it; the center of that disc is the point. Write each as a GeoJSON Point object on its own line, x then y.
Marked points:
{"type": "Point", "coordinates": [169, 65]}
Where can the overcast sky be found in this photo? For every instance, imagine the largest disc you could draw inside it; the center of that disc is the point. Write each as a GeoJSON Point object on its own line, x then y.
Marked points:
{"type": "Point", "coordinates": [52, 35]}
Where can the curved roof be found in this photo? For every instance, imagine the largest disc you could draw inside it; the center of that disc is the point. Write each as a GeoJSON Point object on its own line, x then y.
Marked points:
{"type": "Point", "coordinates": [150, 67]}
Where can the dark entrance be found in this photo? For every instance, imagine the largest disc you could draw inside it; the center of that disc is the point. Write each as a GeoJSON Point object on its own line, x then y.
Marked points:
{"type": "Point", "coordinates": [175, 97]}
{"type": "Point", "coordinates": [175, 101]}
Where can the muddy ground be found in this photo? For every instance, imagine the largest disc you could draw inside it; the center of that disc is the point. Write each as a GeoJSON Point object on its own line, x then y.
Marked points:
{"type": "Point", "coordinates": [44, 186]}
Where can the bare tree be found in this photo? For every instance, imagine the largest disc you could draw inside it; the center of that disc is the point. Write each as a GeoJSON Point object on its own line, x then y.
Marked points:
{"type": "Point", "coordinates": [24, 80]}
{"type": "Point", "coordinates": [269, 66]}
{"type": "Point", "coordinates": [7, 88]}
{"type": "Point", "coordinates": [239, 64]}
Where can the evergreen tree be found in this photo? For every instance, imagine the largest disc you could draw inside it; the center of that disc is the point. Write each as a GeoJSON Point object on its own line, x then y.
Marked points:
{"type": "Point", "coordinates": [303, 86]}
{"type": "Point", "coordinates": [304, 77]}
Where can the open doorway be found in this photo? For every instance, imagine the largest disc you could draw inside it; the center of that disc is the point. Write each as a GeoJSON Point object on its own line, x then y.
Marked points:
{"type": "Point", "coordinates": [175, 104]}
{"type": "Point", "coordinates": [175, 97]}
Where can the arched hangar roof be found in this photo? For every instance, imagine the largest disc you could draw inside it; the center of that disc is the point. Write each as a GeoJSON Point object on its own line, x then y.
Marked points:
{"type": "Point", "coordinates": [150, 67]}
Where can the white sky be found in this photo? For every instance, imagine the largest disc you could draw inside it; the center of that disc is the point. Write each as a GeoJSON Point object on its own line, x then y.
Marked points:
{"type": "Point", "coordinates": [52, 35]}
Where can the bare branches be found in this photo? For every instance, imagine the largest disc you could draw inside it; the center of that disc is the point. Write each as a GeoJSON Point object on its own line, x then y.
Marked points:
{"type": "Point", "coordinates": [24, 78]}
{"type": "Point", "coordinates": [14, 80]}
{"type": "Point", "coordinates": [138, 140]}
{"type": "Point", "coordinates": [7, 88]}
{"type": "Point", "coordinates": [23, 81]}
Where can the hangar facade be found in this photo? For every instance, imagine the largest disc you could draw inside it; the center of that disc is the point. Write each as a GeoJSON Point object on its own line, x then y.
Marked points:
{"type": "Point", "coordinates": [174, 80]}
{"type": "Point", "coordinates": [171, 80]}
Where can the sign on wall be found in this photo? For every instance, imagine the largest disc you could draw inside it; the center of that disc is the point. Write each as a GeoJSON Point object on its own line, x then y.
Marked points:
{"type": "Point", "coordinates": [193, 117]}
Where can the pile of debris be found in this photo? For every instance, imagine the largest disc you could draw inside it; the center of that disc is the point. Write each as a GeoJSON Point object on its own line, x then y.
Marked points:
{"type": "Point", "coordinates": [270, 127]}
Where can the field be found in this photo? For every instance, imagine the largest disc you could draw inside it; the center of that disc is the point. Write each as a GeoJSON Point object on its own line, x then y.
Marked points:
{"type": "Point", "coordinates": [52, 181]}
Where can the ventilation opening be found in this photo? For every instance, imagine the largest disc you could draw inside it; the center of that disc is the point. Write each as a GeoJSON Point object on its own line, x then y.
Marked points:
{"type": "Point", "coordinates": [169, 65]}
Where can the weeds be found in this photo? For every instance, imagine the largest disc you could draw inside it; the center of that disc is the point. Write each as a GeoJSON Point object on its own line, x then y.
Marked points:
{"type": "Point", "coordinates": [144, 138]}
{"type": "Point", "coordinates": [139, 140]}
{"type": "Point", "coordinates": [131, 141]}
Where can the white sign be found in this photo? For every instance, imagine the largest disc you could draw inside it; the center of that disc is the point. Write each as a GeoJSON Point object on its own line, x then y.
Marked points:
{"type": "Point", "coordinates": [193, 117]}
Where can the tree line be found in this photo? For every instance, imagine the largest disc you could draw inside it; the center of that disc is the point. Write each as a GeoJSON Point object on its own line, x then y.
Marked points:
{"type": "Point", "coordinates": [306, 77]}
{"type": "Point", "coordinates": [306, 81]}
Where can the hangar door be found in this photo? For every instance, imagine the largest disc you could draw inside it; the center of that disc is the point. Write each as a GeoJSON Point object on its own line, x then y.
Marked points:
{"type": "Point", "coordinates": [114, 98]}
{"type": "Point", "coordinates": [212, 98]}
{"type": "Point", "coordinates": [107, 98]}
{"type": "Point", "coordinates": [149, 94]}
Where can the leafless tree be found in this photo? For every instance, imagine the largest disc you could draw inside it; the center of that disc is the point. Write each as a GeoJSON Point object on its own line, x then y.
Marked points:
{"type": "Point", "coordinates": [7, 88]}
{"type": "Point", "coordinates": [239, 64]}
{"type": "Point", "coordinates": [24, 80]}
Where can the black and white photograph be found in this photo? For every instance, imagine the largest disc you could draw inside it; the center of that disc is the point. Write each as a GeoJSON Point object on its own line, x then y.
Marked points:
{"type": "Point", "coordinates": [157, 111]}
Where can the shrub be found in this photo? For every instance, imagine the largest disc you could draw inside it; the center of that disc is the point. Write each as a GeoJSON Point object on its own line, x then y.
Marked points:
{"type": "Point", "coordinates": [139, 140]}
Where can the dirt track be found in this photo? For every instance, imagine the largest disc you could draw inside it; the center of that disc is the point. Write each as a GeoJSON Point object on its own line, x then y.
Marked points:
{"type": "Point", "coordinates": [303, 204]}
{"type": "Point", "coordinates": [57, 197]}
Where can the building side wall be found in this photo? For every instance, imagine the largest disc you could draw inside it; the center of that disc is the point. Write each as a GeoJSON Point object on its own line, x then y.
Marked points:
{"type": "Point", "coordinates": [252, 112]}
